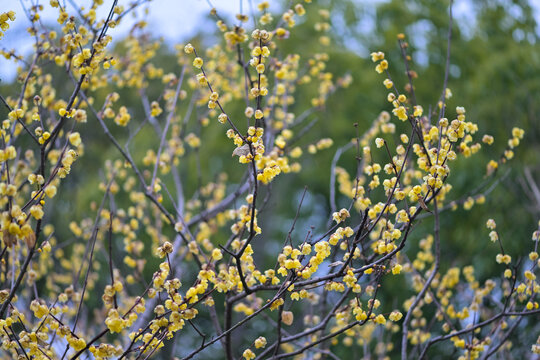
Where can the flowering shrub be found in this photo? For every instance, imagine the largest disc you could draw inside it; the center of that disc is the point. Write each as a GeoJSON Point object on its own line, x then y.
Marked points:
{"type": "Point", "coordinates": [155, 265]}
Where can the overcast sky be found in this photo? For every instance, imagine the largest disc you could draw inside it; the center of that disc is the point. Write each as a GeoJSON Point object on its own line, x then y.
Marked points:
{"type": "Point", "coordinates": [176, 20]}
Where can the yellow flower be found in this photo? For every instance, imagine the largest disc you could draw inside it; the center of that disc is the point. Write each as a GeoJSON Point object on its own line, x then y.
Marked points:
{"type": "Point", "coordinates": [395, 315]}
{"type": "Point", "coordinates": [276, 303]}
{"type": "Point", "coordinates": [75, 139]}
{"type": "Point", "coordinates": [400, 112]}
{"type": "Point", "coordinates": [383, 65]}
{"type": "Point", "coordinates": [248, 354]}
{"type": "Point", "coordinates": [260, 342]}
{"type": "Point", "coordinates": [198, 62]}
{"type": "Point", "coordinates": [388, 83]}
{"type": "Point", "coordinates": [396, 270]}
{"type": "Point", "coordinates": [376, 56]}
{"type": "Point", "coordinates": [380, 319]}
{"type": "Point", "coordinates": [216, 254]}
{"type": "Point", "coordinates": [36, 211]}
{"type": "Point", "coordinates": [188, 49]}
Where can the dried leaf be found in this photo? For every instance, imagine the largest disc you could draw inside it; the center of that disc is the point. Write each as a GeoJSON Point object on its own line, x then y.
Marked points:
{"type": "Point", "coordinates": [287, 317]}
{"type": "Point", "coordinates": [241, 150]}
{"type": "Point", "coordinates": [9, 239]}
{"type": "Point", "coordinates": [30, 240]}
{"type": "Point", "coordinates": [336, 263]}
{"type": "Point", "coordinates": [423, 205]}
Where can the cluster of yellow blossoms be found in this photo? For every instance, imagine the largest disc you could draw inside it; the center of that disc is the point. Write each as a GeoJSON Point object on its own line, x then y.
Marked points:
{"type": "Point", "coordinates": [4, 24]}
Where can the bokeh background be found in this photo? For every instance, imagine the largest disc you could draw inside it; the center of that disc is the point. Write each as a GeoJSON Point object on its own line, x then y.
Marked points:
{"type": "Point", "coordinates": [494, 74]}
